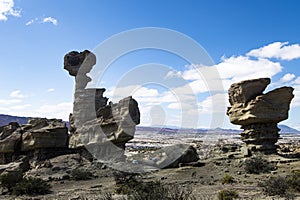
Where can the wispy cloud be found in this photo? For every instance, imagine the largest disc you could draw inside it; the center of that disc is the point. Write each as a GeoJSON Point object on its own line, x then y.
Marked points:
{"type": "Point", "coordinates": [279, 50]}
{"type": "Point", "coordinates": [10, 101]}
{"type": "Point", "coordinates": [17, 94]}
{"type": "Point", "coordinates": [60, 110]}
{"type": "Point", "coordinates": [287, 77]}
{"type": "Point", "coordinates": [50, 20]}
{"type": "Point", "coordinates": [31, 22]}
{"type": "Point", "coordinates": [232, 69]}
{"type": "Point", "coordinates": [42, 21]}
{"type": "Point", "coordinates": [51, 90]}
{"type": "Point", "coordinates": [20, 107]}
{"type": "Point", "coordinates": [7, 8]}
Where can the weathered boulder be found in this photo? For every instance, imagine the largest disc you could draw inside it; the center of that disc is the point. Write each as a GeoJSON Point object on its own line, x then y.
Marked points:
{"type": "Point", "coordinates": [173, 156]}
{"type": "Point", "coordinates": [245, 91]}
{"type": "Point", "coordinates": [21, 164]}
{"type": "Point", "coordinates": [58, 168]}
{"type": "Point", "coordinates": [259, 113]}
{"type": "Point", "coordinates": [10, 137]}
{"type": "Point", "coordinates": [40, 139]}
{"type": "Point", "coordinates": [73, 61]}
{"type": "Point", "coordinates": [272, 107]}
{"type": "Point", "coordinates": [44, 133]}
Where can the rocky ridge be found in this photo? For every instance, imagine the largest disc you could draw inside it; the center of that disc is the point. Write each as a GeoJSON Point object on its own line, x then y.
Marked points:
{"type": "Point", "coordinates": [40, 138]}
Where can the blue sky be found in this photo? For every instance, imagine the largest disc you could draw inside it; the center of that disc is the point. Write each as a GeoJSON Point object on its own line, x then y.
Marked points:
{"type": "Point", "coordinates": [245, 39]}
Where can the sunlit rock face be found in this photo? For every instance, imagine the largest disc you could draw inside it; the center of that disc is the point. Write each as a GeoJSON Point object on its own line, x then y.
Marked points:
{"type": "Point", "coordinates": [43, 138]}
{"type": "Point", "coordinates": [259, 113]}
{"type": "Point", "coordinates": [42, 133]}
{"type": "Point", "coordinates": [102, 128]}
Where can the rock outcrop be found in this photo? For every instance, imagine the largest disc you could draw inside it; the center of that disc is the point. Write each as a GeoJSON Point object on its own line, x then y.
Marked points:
{"type": "Point", "coordinates": [103, 129]}
{"type": "Point", "coordinates": [173, 156]}
{"type": "Point", "coordinates": [44, 133]}
{"type": "Point", "coordinates": [10, 142]}
{"type": "Point", "coordinates": [47, 137]}
{"type": "Point", "coordinates": [259, 113]}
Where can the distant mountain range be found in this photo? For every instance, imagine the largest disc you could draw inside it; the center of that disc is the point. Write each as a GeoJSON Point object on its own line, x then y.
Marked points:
{"type": "Point", "coordinates": [287, 129]}
{"type": "Point", "coordinates": [5, 119]}
{"type": "Point", "coordinates": [173, 130]}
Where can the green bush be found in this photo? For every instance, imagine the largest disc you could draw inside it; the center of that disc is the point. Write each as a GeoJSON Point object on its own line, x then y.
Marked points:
{"type": "Point", "coordinates": [10, 179]}
{"type": "Point", "coordinates": [138, 190]}
{"type": "Point", "coordinates": [179, 193]}
{"type": "Point", "coordinates": [30, 186]}
{"type": "Point", "coordinates": [81, 174]}
{"type": "Point", "coordinates": [257, 165]}
{"type": "Point", "coordinates": [227, 179]}
{"type": "Point", "coordinates": [293, 181]}
{"type": "Point", "coordinates": [282, 186]}
{"type": "Point", "coordinates": [148, 190]}
{"type": "Point", "coordinates": [227, 194]}
{"type": "Point", "coordinates": [274, 186]}
{"type": "Point", "coordinates": [17, 185]}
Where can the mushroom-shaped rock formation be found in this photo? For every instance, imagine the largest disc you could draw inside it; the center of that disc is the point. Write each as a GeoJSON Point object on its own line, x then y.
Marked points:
{"type": "Point", "coordinates": [101, 128]}
{"type": "Point", "coordinates": [259, 113]}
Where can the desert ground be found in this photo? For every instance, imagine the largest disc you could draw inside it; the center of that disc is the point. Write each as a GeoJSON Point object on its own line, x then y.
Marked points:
{"type": "Point", "coordinates": [203, 178]}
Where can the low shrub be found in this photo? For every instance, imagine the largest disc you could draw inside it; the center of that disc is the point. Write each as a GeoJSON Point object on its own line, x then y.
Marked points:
{"type": "Point", "coordinates": [138, 190]}
{"type": "Point", "coordinates": [179, 193]}
{"type": "Point", "coordinates": [274, 186]}
{"type": "Point", "coordinates": [30, 186]}
{"type": "Point", "coordinates": [10, 179]}
{"type": "Point", "coordinates": [257, 165]}
{"type": "Point", "coordinates": [282, 186]}
{"type": "Point", "coordinates": [227, 179]}
{"type": "Point", "coordinates": [81, 174]}
{"type": "Point", "coordinates": [226, 194]}
{"type": "Point", "coordinates": [293, 181]}
{"type": "Point", "coordinates": [17, 185]}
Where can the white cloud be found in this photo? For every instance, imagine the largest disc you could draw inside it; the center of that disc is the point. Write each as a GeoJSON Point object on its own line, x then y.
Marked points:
{"type": "Point", "coordinates": [50, 20]}
{"type": "Point", "coordinates": [283, 80]}
{"type": "Point", "coordinates": [51, 90]}
{"type": "Point", "coordinates": [242, 68]}
{"type": "Point", "coordinates": [17, 94]}
{"type": "Point", "coordinates": [140, 93]}
{"type": "Point", "coordinates": [215, 103]}
{"type": "Point", "coordinates": [296, 99]}
{"type": "Point", "coordinates": [287, 77]}
{"type": "Point", "coordinates": [60, 111]}
{"type": "Point", "coordinates": [10, 101]}
{"type": "Point", "coordinates": [230, 70]}
{"type": "Point", "coordinates": [7, 8]}
{"type": "Point", "coordinates": [297, 81]}
{"type": "Point", "coordinates": [20, 107]}
{"type": "Point", "coordinates": [42, 21]}
{"type": "Point", "coordinates": [279, 50]}
{"type": "Point", "coordinates": [172, 74]}
{"type": "Point", "coordinates": [31, 21]}
{"type": "Point", "coordinates": [296, 85]}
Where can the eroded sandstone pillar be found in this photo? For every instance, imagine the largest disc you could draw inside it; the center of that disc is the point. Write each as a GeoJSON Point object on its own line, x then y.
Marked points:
{"type": "Point", "coordinates": [100, 128]}
{"type": "Point", "coordinates": [258, 113]}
